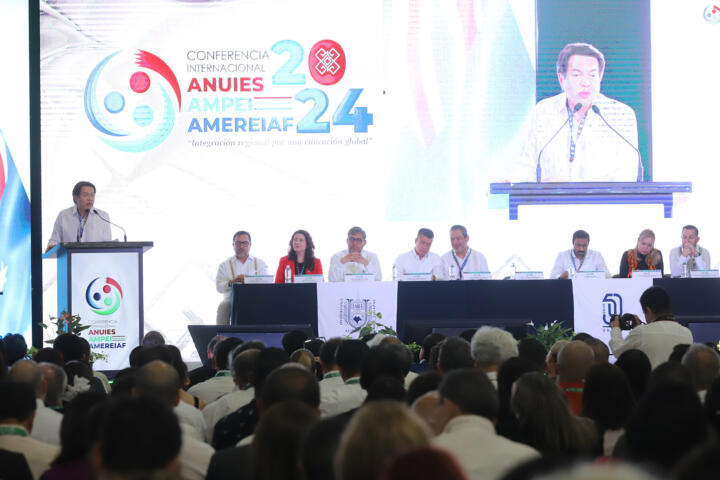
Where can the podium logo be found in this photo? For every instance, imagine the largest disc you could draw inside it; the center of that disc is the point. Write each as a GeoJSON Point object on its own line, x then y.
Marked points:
{"type": "Point", "coordinates": [712, 14]}
{"type": "Point", "coordinates": [128, 100]}
{"type": "Point", "coordinates": [104, 298]}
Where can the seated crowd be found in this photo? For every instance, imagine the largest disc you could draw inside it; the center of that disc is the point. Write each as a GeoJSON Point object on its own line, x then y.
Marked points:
{"type": "Point", "coordinates": [479, 406]}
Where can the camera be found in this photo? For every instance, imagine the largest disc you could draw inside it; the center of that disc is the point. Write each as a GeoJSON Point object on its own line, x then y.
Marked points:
{"type": "Point", "coordinates": [626, 321]}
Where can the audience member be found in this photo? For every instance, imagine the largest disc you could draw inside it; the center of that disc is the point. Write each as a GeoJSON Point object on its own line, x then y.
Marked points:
{"type": "Point", "coordinates": [320, 446]}
{"type": "Point", "coordinates": [48, 355]}
{"type": "Point", "coordinates": [46, 425]}
{"type": "Point", "coordinates": [152, 338]}
{"type": "Point", "coordinates": [423, 463]}
{"type": "Point", "coordinates": [69, 346]}
{"type": "Point", "coordinates": [305, 358]}
{"type": "Point", "coordinates": [454, 354]}
{"type": "Point", "coordinates": [669, 372]}
{"type": "Point", "coordinates": [600, 350]}
{"type": "Point", "coordinates": [547, 423]}
{"type": "Point", "coordinates": [56, 381]}
{"type": "Point", "coordinates": [701, 463]}
{"type": "Point", "coordinates": [423, 383]}
{"type": "Point", "coordinates": [507, 423]}
{"type": "Point", "coordinates": [703, 363]}
{"type": "Point", "coordinates": [207, 370]}
{"type": "Point", "coordinates": [188, 408]}
{"type": "Point", "coordinates": [350, 356]}
{"type": "Point", "coordinates": [17, 413]}
{"type": "Point", "coordinates": [429, 342]}
{"type": "Point", "coordinates": [15, 348]}
{"type": "Point", "coordinates": [392, 360]}
{"type": "Point", "coordinates": [678, 351]}
{"type": "Point", "coordinates": [331, 373]}
{"type": "Point", "coordinates": [712, 406]}
{"type": "Point", "coordinates": [470, 402]}
{"type": "Point", "coordinates": [222, 382]}
{"type": "Point", "coordinates": [386, 388]}
{"type": "Point", "coordinates": [13, 465]}
{"type": "Point", "coordinates": [532, 350]}
{"type": "Point", "coordinates": [574, 361]}
{"type": "Point", "coordinates": [293, 340]}
{"type": "Point", "coordinates": [636, 366]}
{"type": "Point", "coordinates": [377, 432]}
{"type": "Point", "coordinates": [552, 356]}
{"type": "Point", "coordinates": [491, 347]}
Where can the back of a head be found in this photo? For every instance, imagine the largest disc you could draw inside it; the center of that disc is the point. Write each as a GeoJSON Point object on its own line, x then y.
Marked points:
{"type": "Point", "coordinates": [510, 371]}
{"type": "Point", "coordinates": [669, 372]}
{"type": "Point", "coordinates": [158, 380]}
{"type": "Point", "coordinates": [153, 337]}
{"type": "Point", "coordinates": [607, 397]}
{"type": "Point", "coordinates": [390, 360]}
{"type": "Point", "coordinates": [423, 463]}
{"type": "Point", "coordinates": [314, 345]}
{"type": "Point", "coordinates": [124, 382]}
{"type": "Point", "coordinates": [303, 357]}
{"type": "Point", "coordinates": [266, 361]}
{"type": "Point", "coordinates": [454, 354]}
{"type": "Point", "coordinates": [386, 388]}
{"type": "Point", "coordinates": [471, 391]}
{"type": "Point", "coordinates": [532, 350]}
{"type": "Point", "coordinates": [328, 351]}
{"type": "Point", "coordinates": [291, 382]}
{"type": "Point", "coordinates": [429, 342]}
{"type": "Point", "coordinates": [56, 381]}
{"type": "Point", "coordinates": [48, 355]}
{"type": "Point", "coordinates": [18, 401]}
{"type": "Point", "coordinates": [704, 365]}
{"type": "Point", "coordinates": [69, 345]}
{"type": "Point", "coordinates": [349, 356]}
{"type": "Point", "coordinates": [492, 346]}
{"type": "Point", "coordinates": [145, 355]}
{"type": "Point", "coordinates": [423, 383]}
{"type": "Point", "coordinates": [320, 446]}
{"type": "Point", "coordinates": [636, 365]}
{"type": "Point", "coordinates": [138, 435]}
{"type": "Point", "coordinates": [76, 429]}
{"type": "Point", "coordinates": [222, 352]}
{"type": "Point", "coordinates": [574, 361]}
{"type": "Point", "coordinates": [15, 347]}
{"type": "Point", "coordinates": [212, 345]}
{"type": "Point", "coordinates": [278, 439]}
{"type": "Point", "coordinates": [657, 300]}
{"type": "Point", "coordinates": [29, 373]}
{"type": "Point", "coordinates": [377, 432]}
{"type": "Point", "coordinates": [293, 340]}
{"type": "Point", "coordinates": [249, 345]}
{"type": "Point", "coordinates": [244, 364]}
{"type": "Point", "coordinates": [600, 349]}
{"type": "Point", "coordinates": [668, 422]}
{"type": "Point", "coordinates": [178, 363]}
{"type": "Point", "coordinates": [678, 352]}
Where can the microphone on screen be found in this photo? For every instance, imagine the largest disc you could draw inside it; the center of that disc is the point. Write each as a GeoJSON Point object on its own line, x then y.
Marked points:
{"type": "Point", "coordinates": [111, 223]}
{"type": "Point", "coordinates": [538, 169]}
{"type": "Point", "coordinates": [641, 169]}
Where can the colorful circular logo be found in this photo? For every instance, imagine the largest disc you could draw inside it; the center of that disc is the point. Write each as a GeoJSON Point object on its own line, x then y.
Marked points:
{"type": "Point", "coordinates": [326, 62]}
{"type": "Point", "coordinates": [104, 298]}
{"type": "Point", "coordinates": [128, 100]}
{"type": "Point", "coordinates": [712, 14]}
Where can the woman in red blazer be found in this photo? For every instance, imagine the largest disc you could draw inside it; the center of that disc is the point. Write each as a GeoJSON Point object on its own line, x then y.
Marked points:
{"type": "Point", "coordinates": [300, 257]}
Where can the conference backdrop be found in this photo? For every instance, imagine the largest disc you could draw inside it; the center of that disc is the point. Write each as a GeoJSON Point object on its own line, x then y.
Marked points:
{"type": "Point", "coordinates": [197, 119]}
{"type": "Point", "coordinates": [15, 291]}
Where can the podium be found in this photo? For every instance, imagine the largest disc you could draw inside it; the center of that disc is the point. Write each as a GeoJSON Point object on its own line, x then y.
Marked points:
{"type": "Point", "coordinates": [103, 283]}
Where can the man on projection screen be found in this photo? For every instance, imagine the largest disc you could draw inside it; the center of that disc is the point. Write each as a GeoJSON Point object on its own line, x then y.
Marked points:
{"type": "Point", "coordinates": [568, 141]}
{"type": "Point", "coordinates": [82, 222]}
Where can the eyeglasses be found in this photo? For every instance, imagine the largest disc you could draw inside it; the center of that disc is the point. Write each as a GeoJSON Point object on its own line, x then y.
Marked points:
{"type": "Point", "coordinates": [242, 244]}
{"type": "Point", "coordinates": [356, 240]}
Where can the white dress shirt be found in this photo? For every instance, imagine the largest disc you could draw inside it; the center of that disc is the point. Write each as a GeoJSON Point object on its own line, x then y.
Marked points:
{"type": "Point", "coordinates": [475, 262]}
{"type": "Point", "coordinates": [339, 269]}
{"type": "Point", "coordinates": [331, 380]}
{"type": "Point", "coordinates": [192, 417]}
{"type": "Point", "coordinates": [46, 426]}
{"type": "Point", "coordinates": [411, 262]}
{"type": "Point", "coordinates": [600, 154]}
{"type": "Point", "coordinates": [37, 454]}
{"type": "Point", "coordinates": [343, 398]}
{"type": "Point", "coordinates": [656, 339]}
{"type": "Point", "coordinates": [232, 267]}
{"type": "Point", "coordinates": [593, 262]}
{"type": "Point", "coordinates": [677, 260]}
{"type": "Point", "coordinates": [224, 406]}
{"type": "Point", "coordinates": [213, 388]}
{"type": "Point", "coordinates": [194, 456]}
{"type": "Point", "coordinates": [67, 224]}
{"type": "Point", "coordinates": [483, 454]}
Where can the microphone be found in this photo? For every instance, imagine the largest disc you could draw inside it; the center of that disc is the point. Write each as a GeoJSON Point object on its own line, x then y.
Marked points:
{"type": "Point", "coordinates": [641, 169]}
{"type": "Point", "coordinates": [111, 223]}
{"type": "Point", "coordinates": [538, 170]}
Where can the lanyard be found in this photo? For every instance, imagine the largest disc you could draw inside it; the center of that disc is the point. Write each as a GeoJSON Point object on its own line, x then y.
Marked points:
{"type": "Point", "coordinates": [572, 259]}
{"type": "Point", "coordinates": [467, 257]}
{"type": "Point", "coordinates": [352, 381]}
{"type": "Point", "coordinates": [331, 375]}
{"type": "Point", "coordinates": [11, 430]}
{"type": "Point", "coordinates": [572, 138]}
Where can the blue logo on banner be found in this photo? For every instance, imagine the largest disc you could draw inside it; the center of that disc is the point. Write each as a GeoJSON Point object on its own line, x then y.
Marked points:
{"type": "Point", "coordinates": [15, 301]}
{"type": "Point", "coordinates": [612, 305]}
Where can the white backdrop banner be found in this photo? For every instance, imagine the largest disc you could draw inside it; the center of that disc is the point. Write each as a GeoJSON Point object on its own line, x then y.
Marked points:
{"type": "Point", "coordinates": [344, 306]}
{"type": "Point", "coordinates": [595, 301]}
{"type": "Point", "coordinates": [106, 296]}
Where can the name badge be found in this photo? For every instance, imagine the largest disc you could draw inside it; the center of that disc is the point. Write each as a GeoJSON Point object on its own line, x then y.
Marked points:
{"type": "Point", "coordinates": [477, 276]}
{"type": "Point", "coordinates": [704, 274]}
{"type": "Point", "coordinates": [646, 274]}
{"type": "Point", "coordinates": [416, 277]}
{"type": "Point", "coordinates": [259, 279]}
{"type": "Point", "coordinates": [359, 277]}
{"type": "Point", "coordinates": [589, 274]}
{"type": "Point", "coordinates": [309, 278]}
{"type": "Point", "coordinates": [529, 275]}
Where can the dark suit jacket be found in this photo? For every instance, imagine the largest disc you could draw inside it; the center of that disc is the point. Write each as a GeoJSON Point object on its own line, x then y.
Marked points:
{"type": "Point", "coordinates": [13, 466]}
{"type": "Point", "coordinates": [234, 463]}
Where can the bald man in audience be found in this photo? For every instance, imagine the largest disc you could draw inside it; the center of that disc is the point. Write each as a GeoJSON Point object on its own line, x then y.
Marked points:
{"type": "Point", "coordinates": [574, 361]}
{"type": "Point", "coordinates": [704, 365]}
{"type": "Point", "coordinates": [46, 427]}
{"type": "Point", "coordinates": [56, 381]}
{"type": "Point", "coordinates": [491, 347]}
{"type": "Point", "coordinates": [161, 381]}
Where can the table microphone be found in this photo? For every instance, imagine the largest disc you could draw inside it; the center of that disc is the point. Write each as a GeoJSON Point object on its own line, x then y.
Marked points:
{"type": "Point", "coordinates": [111, 223]}
{"type": "Point", "coordinates": [641, 169]}
{"type": "Point", "coordinates": [538, 170]}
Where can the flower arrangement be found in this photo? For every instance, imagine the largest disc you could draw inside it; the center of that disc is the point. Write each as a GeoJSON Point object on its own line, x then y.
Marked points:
{"type": "Point", "coordinates": [549, 334]}
{"type": "Point", "coordinates": [68, 323]}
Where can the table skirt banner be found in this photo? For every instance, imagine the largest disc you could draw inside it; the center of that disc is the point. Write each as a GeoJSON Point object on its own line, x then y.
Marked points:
{"type": "Point", "coordinates": [345, 306]}
{"type": "Point", "coordinates": [596, 300]}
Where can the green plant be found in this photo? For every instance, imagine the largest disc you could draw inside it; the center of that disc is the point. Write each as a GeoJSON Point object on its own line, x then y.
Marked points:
{"type": "Point", "coordinates": [67, 323]}
{"type": "Point", "coordinates": [549, 334]}
{"type": "Point", "coordinates": [376, 327]}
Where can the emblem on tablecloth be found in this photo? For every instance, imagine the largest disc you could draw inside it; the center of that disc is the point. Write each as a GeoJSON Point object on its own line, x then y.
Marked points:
{"type": "Point", "coordinates": [356, 312]}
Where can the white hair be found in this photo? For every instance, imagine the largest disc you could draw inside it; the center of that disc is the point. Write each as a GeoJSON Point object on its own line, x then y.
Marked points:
{"type": "Point", "coordinates": [492, 346]}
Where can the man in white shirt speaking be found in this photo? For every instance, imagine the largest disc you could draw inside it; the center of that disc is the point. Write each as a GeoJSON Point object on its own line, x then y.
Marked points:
{"type": "Point", "coordinates": [462, 257]}
{"type": "Point", "coordinates": [81, 222]}
{"type": "Point", "coordinates": [233, 270]}
{"type": "Point", "coordinates": [579, 258]}
{"type": "Point", "coordinates": [420, 259]}
{"type": "Point", "coordinates": [354, 259]}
